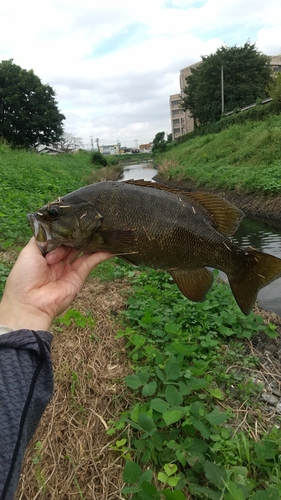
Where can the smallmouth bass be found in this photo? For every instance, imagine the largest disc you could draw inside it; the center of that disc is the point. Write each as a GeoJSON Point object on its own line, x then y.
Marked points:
{"type": "Point", "coordinates": [150, 224]}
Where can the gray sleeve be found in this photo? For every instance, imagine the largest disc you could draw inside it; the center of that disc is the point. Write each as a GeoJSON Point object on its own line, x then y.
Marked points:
{"type": "Point", "coordinates": [26, 386]}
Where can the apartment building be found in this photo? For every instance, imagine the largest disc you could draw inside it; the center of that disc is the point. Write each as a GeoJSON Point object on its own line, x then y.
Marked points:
{"type": "Point", "coordinates": [181, 121]}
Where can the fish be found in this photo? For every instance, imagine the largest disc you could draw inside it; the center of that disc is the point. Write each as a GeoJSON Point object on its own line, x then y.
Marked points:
{"type": "Point", "coordinates": [186, 234]}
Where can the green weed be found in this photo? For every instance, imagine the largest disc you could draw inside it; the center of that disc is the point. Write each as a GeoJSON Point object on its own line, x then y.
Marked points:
{"type": "Point", "coordinates": [179, 434]}
{"type": "Point", "coordinates": [4, 272]}
{"type": "Point", "coordinates": [29, 180]}
{"type": "Point", "coordinates": [36, 460]}
{"type": "Point", "coordinates": [112, 269]}
{"type": "Point", "coordinates": [76, 318]}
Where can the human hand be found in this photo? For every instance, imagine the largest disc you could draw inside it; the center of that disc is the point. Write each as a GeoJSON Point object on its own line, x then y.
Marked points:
{"type": "Point", "coordinates": [40, 288]}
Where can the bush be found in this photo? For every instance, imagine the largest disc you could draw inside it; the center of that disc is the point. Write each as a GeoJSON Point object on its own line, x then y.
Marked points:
{"type": "Point", "coordinates": [99, 159]}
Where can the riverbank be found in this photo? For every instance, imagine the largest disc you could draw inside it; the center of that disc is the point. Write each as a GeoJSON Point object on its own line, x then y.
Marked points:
{"type": "Point", "coordinates": [241, 163]}
{"type": "Point", "coordinates": [254, 205]}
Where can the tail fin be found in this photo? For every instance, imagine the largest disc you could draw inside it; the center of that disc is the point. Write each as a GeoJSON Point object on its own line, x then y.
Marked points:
{"type": "Point", "coordinates": [260, 270]}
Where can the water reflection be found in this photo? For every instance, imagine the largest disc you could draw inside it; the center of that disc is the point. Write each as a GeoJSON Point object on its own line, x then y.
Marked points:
{"type": "Point", "coordinates": [258, 235]}
{"type": "Point", "coordinates": [267, 239]}
{"type": "Point", "coordinates": [138, 171]}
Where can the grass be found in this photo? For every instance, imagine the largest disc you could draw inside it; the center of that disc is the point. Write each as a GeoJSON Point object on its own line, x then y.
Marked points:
{"type": "Point", "coordinates": [29, 181]}
{"type": "Point", "coordinates": [245, 157]}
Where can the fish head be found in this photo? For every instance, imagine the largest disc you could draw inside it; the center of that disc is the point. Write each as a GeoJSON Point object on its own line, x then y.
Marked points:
{"type": "Point", "coordinates": [59, 223]}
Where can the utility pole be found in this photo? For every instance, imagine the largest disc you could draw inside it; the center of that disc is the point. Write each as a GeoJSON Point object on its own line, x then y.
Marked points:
{"type": "Point", "coordinates": [222, 92]}
{"type": "Point", "coordinates": [98, 144]}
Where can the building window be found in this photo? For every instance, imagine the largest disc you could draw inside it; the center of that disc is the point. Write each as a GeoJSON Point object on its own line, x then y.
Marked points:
{"type": "Point", "coordinates": [176, 130]}
{"type": "Point", "coordinates": [175, 103]}
{"type": "Point", "coordinates": [277, 69]}
{"type": "Point", "coordinates": [176, 121]}
{"type": "Point", "coordinates": [175, 112]}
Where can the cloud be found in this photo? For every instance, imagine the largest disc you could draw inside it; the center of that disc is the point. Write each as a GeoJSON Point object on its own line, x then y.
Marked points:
{"type": "Point", "coordinates": [114, 65]}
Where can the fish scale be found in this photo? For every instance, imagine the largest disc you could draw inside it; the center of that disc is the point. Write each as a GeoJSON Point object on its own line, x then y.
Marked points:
{"type": "Point", "coordinates": [145, 223]}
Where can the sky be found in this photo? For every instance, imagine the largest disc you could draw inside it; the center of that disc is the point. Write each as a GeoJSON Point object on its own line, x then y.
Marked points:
{"type": "Point", "coordinates": [114, 63]}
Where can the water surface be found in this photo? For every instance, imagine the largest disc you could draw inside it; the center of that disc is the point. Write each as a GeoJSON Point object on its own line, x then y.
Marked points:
{"type": "Point", "coordinates": [266, 239]}
{"type": "Point", "coordinates": [138, 171]}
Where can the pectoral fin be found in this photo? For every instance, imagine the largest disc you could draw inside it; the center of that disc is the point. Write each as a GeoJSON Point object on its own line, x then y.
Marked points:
{"type": "Point", "coordinates": [194, 284]}
{"type": "Point", "coordinates": [119, 238]}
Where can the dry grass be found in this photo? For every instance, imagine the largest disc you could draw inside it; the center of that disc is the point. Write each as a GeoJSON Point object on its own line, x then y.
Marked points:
{"type": "Point", "coordinates": [166, 164]}
{"type": "Point", "coordinates": [75, 460]}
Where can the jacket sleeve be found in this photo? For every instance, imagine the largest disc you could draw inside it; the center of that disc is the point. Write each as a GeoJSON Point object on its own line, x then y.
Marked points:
{"type": "Point", "coordinates": [26, 386]}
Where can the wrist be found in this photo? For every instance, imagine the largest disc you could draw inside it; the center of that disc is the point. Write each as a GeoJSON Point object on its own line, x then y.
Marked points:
{"type": "Point", "coordinates": [17, 317]}
{"type": "Point", "coordinates": [5, 329]}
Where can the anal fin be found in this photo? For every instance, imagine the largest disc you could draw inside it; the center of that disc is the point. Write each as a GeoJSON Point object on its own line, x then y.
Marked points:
{"type": "Point", "coordinates": [194, 283]}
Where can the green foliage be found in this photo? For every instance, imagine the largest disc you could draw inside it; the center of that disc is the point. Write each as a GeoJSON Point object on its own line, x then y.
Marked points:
{"type": "Point", "coordinates": [245, 157]}
{"type": "Point", "coordinates": [112, 160]}
{"type": "Point", "coordinates": [112, 269]}
{"type": "Point", "coordinates": [36, 460]}
{"type": "Point", "coordinates": [176, 431]}
{"type": "Point", "coordinates": [159, 143]}
{"type": "Point", "coordinates": [28, 181]}
{"type": "Point", "coordinates": [28, 109]}
{"type": "Point", "coordinates": [74, 317]}
{"type": "Point", "coordinates": [246, 75]}
{"type": "Point", "coordinates": [256, 113]}
{"type": "Point", "coordinates": [97, 158]}
{"type": "Point", "coordinates": [4, 273]}
{"type": "Point", "coordinates": [139, 157]}
{"type": "Point", "coordinates": [274, 91]}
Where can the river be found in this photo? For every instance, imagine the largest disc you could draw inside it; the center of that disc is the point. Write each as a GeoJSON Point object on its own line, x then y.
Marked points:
{"type": "Point", "coordinates": [138, 171]}
{"type": "Point", "coordinates": [250, 233]}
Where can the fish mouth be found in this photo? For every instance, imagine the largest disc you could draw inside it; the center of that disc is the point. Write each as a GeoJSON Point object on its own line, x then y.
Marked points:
{"type": "Point", "coordinates": [42, 234]}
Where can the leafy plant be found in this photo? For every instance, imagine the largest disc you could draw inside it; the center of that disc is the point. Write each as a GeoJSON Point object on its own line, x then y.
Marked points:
{"type": "Point", "coordinates": [75, 317]}
{"type": "Point", "coordinates": [179, 434]}
{"type": "Point", "coordinates": [36, 460]}
{"type": "Point", "coordinates": [4, 272]}
{"type": "Point", "coordinates": [98, 158]}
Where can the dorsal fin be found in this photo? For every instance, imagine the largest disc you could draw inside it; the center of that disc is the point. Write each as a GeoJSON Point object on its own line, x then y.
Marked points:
{"type": "Point", "coordinates": [155, 185]}
{"type": "Point", "coordinates": [224, 216]}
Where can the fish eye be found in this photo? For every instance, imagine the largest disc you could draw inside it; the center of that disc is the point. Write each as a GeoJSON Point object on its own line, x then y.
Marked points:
{"type": "Point", "coordinates": [53, 213]}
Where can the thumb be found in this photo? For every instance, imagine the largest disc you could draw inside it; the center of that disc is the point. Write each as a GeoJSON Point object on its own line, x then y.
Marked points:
{"type": "Point", "coordinates": [86, 263]}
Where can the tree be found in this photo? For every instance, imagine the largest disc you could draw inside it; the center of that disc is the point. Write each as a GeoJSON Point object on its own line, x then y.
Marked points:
{"type": "Point", "coordinates": [28, 109]}
{"type": "Point", "coordinates": [97, 158]}
{"type": "Point", "coordinates": [246, 76]}
{"type": "Point", "coordinates": [274, 91]}
{"type": "Point", "coordinates": [159, 143]}
{"type": "Point", "coordinates": [70, 142]}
